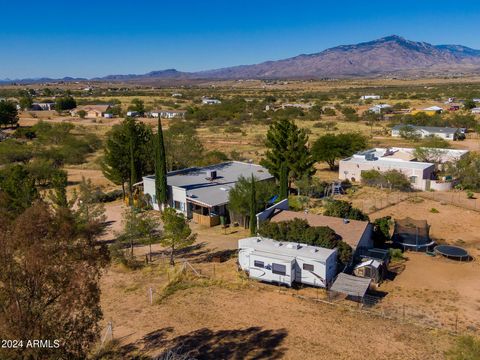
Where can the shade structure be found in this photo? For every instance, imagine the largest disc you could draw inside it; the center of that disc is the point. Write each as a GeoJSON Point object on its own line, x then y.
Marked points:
{"type": "Point", "coordinates": [412, 234]}
{"type": "Point", "coordinates": [452, 252]}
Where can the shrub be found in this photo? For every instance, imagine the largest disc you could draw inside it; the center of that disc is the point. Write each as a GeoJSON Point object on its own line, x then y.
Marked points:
{"type": "Point", "coordinates": [467, 347]}
{"type": "Point", "coordinates": [343, 209]}
{"type": "Point", "coordinates": [434, 211]}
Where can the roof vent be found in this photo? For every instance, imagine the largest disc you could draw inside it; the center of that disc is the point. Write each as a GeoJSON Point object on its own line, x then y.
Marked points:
{"type": "Point", "coordinates": [293, 246]}
{"type": "Point", "coordinates": [314, 250]}
{"type": "Point", "coordinates": [278, 244]}
{"type": "Point", "coordinates": [346, 221]}
{"type": "Point", "coordinates": [211, 174]}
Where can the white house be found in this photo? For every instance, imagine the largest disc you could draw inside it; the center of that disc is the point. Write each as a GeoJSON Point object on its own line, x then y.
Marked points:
{"type": "Point", "coordinates": [133, 114]}
{"type": "Point", "coordinates": [420, 174]}
{"type": "Point", "coordinates": [476, 110]}
{"type": "Point", "coordinates": [168, 114]}
{"type": "Point", "coordinates": [202, 194]}
{"type": "Point", "coordinates": [45, 106]}
{"type": "Point", "coordinates": [380, 108]}
{"type": "Point", "coordinates": [208, 101]}
{"type": "Point", "coordinates": [287, 262]}
{"type": "Point", "coordinates": [370, 97]}
{"type": "Point", "coordinates": [446, 133]}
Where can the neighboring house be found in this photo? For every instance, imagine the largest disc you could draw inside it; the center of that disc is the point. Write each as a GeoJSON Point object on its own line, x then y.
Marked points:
{"type": "Point", "coordinates": [168, 114]}
{"type": "Point", "coordinates": [202, 194]}
{"type": "Point", "coordinates": [380, 108]}
{"type": "Point", "coordinates": [421, 174]}
{"type": "Point", "coordinates": [46, 106]}
{"type": "Point", "coordinates": [177, 95]}
{"type": "Point", "coordinates": [370, 97]}
{"type": "Point", "coordinates": [476, 110]}
{"type": "Point", "coordinates": [133, 114]}
{"type": "Point", "coordinates": [446, 133]}
{"type": "Point", "coordinates": [297, 105]}
{"type": "Point", "coordinates": [357, 234]}
{"type": "Point", "coordinates": [432, 110]}
{"type": "Point", "coordinates": [286, 263]}
{"type": "Point", "coordinates": [207, 101]}
{"type": "Point", "coordinates": [92, 111]}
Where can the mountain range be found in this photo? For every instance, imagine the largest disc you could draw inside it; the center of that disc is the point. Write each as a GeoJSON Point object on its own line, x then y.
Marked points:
{"type": "Point", "coordinates": [388, 56]}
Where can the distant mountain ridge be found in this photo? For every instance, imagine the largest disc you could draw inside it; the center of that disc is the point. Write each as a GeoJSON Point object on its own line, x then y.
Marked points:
{"type": "Point", "coordinates": [391, 55]}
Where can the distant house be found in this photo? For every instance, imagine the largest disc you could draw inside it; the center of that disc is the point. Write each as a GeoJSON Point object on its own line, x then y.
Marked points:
{"type": "Point", "coordinates": [202, 194]}
{"type": "Point", "coordinates": [177, 95]}
{"type": "Point", "coordinates": [476, 110]}
{"type": "Point", "coordinates": [168, 114]}
{"type": "Point", "coordinates": [208, 101]}
{"type": "Point", "coordinates": [432, 110]}
{"type": "Point", "coordinates": [422, 175]}
{"type": "Point", "coordinates": [45, 106]}
{"type": "Point", "coordinates": [380, 108]}
{"type": "Point", "coordinates": [91, 111]}
{"type": "Point", "coordinates": [297, 105]}
{"type": "Point", "coordinates": [133, 114]}
{"type": "Point", "coordinates": [370, 97]}
{"type": "Point", "coordinates": [446, 133]}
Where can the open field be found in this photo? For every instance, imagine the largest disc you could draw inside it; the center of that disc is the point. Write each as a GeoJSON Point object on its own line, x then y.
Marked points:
{"type": "Point", "coordinates": [234, 318]}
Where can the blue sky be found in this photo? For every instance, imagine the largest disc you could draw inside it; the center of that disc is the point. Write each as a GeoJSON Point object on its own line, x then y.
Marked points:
{"type": "Point", "coordinates": [96, 38]}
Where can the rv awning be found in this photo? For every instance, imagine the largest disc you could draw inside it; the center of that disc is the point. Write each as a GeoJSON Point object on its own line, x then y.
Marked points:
{"type": "Point", "coordinates": [351, 285]}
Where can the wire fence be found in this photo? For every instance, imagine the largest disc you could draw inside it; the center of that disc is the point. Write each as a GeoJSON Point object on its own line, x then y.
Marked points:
{"type": "Point", "coordinates": [455, 198]}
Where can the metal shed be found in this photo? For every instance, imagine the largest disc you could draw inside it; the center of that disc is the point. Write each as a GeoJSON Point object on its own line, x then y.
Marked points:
{"type": "Point", "coordinates": [354, 287]}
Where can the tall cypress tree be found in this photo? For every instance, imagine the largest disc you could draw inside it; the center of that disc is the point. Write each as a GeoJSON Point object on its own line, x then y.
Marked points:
{"type": "Point", "coordinates": [283, 181]}
{"type": "Point", "coordinates": [253, 208]}
{"type": "Point", "coordinates": [160, 168]}
{"type": "Point", "coordinates": [133, 171]}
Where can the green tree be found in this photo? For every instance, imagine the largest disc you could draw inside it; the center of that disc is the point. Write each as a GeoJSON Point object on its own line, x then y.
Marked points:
{"type": "Point", "coordinates": [183, 147]}
{"type": "Point", "coordinates": [286, 143]}
{"type": "Point", "coordinates": [137, 105]}
{"type": "Point", "coordinates": [343, 209]}
{"type": "Point", "coordinates": [65, 103]}
{"type": "Point", "coordinates": [82, 114]}
{"type": "Point", "coordinates": [161, 188]}
{"type": "Point", "coordinates": [176, 232]}
{"type": "Point", "coordinates": [139, 228]}
{"type": "Point", "coordinates": [17, 189]}
{"type": "Point", "coordinates": [467, 171]}
{"type": "Point", "coordinates": [58, 194]}
{"type": "Point", "coordinates": [283, 181]}
{"type": "Point", "coordinates": [8, 113]}
{"type": "Point", "coordinates": [253, 207]}
{"type": "Point", "coordinates": [240, 196]}
{"type": "Point", "coordinates": [381, 230]}
{"type": "Point", "coordinates": [331, 147]}
{"type": "Point", "coordinates": [25, 102]}
{"type": "Point", "coordinates": [116, 162]}
{"type": "Point", "coordinates": [469, 104]}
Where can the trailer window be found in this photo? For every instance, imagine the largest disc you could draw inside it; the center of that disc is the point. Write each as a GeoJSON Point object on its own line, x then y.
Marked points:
{"type": "Point", "coordinates": [279, 269]}
{"type": "Point", "coordinates": [308, 267]}
{"type": "Point", "coordinates": [259, 264]}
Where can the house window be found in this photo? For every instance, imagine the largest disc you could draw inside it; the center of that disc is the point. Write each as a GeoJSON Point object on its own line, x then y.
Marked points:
{"type": "Point", "coordinates": [413, 179]}
{"type": "Point", "coordinates": [279, 269]}
{"type": "Point", "coordinates": [178, 205]}
{"type": "Point", "coordinates": [308, 267]}
{"type": "Point", "coordinates": [258, 264]}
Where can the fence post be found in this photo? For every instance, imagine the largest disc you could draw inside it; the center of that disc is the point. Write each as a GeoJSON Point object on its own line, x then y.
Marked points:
{"type": "Point", "coordinates": [456, 323]}
{"type": "Point", "coordinates": [403, 312]}
{"type": "Point", "coordinates": [214, 270]}
{"type": "Point", "coordinates": [150, 291]}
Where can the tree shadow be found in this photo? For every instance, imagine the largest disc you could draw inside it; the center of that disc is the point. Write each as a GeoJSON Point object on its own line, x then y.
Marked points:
{"type": "Point", "coordinates": [252, 343]}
